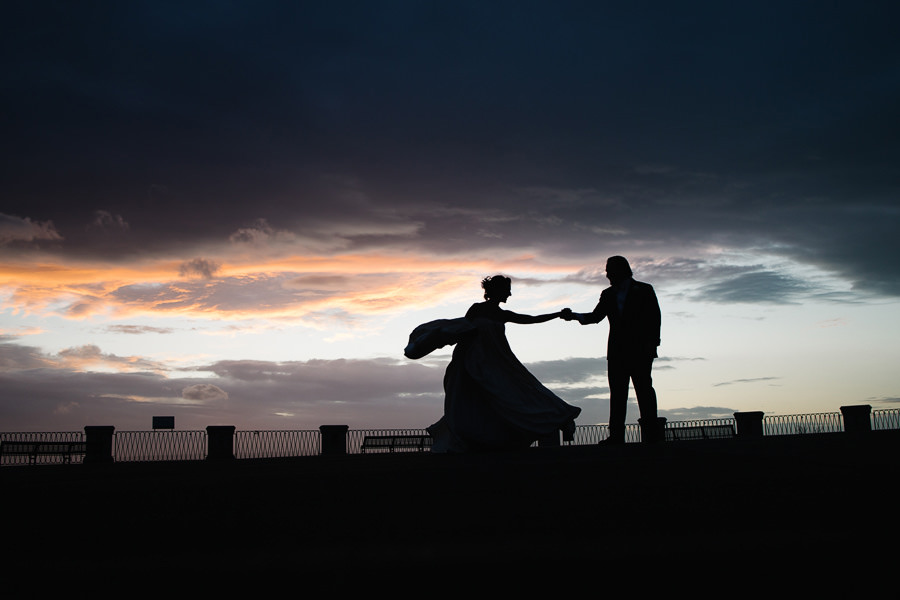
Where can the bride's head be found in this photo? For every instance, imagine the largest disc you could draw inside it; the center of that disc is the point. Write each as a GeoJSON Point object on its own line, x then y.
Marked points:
{"type": "Point", "coordinates": [498, 287]}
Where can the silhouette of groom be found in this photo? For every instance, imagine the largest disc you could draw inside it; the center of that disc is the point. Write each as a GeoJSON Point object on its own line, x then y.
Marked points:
{"type": "Point", "coordinates": [634, 323]}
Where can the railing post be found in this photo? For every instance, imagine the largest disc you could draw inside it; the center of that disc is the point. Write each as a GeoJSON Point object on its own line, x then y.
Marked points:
{"type": "Point", "coordinates": [653, 432]}
{"type": "Point", "coordinates": [334, 439]}
{"type": "Point", "coordinates": [749, 424]}
{"type": "Point", "coordinates": [220, 442]}
{"type": "Point", "coordinates": [98, 444]}
{"type": "Point", "coordinates": [857, 419]}
{"type": "Point", "coordinates": [550, 440]}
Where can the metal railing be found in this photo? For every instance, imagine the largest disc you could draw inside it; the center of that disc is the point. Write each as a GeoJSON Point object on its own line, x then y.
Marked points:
{"type": "Point", "coordinates": [276, 443]}
{"type": "Point", "coordinates": [50, 436]}
{"type": "Point", "coordinates": [187, 445]}
{"type": "Point", "coordinates": [800, 424]}
{"type": "Point", "coordinates": [886, 418]}
{"type": "Point", "coordinates": [159, 445]}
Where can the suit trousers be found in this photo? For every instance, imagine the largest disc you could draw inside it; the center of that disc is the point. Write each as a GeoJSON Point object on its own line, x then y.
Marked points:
{"type": "Point", "coordinates": [621, 372]}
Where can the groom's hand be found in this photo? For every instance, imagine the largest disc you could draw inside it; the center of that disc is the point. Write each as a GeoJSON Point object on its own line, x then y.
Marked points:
{"type": "Point", "coordinates": [566, 314]}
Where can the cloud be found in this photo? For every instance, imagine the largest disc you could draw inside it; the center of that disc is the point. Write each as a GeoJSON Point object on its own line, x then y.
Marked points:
{"type": "Point", "coordinates": [323, 282]}
{"type": "Point", "coordinates": [90, 356]}
{"type": "Point", "coordinates": [261, 234]}
{"type": "Point", "coordinates": [569, 371]}
{"type": "Point", "coordinates": [56, 392]}
{"type": "Point", "coordinates": [84, 306]}
{"type": "Point", "coordinates": [18, 229]}
{"type": "Point", "coordinates": [755, 287]}
{"type": "Point", "coordinates": [199, 267]}
{"type": "Point", "coordinates": [750, 380]}
{"type": "Point", "coordinates": [15, 357]}
{"type": "Point", "coordinates": [65, 400]}
{"type": "Point", "coordinates": [354, 286]}
{"type": "Point", "coordinates": [250, 296]}
{"type": "Point", "coordinates": [698, 413]}
{"type": "Point", "coordinates": [204, 392]}
{"type": "Point", "coordinates": [106, 221]}
{"type": "Point", "coordinates": [137, 329]}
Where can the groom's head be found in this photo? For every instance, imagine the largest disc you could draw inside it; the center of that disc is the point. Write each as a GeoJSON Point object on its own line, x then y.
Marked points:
{"type": "Point", "coordinates": [617, 269]}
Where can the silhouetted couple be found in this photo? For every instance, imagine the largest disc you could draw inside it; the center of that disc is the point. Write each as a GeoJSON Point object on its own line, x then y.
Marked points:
{"type": "Point", "coordinates": [492, 402]}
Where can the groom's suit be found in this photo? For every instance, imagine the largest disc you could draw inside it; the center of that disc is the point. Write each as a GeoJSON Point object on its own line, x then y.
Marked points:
{"type": "Point", "coordinates": [634, 326]}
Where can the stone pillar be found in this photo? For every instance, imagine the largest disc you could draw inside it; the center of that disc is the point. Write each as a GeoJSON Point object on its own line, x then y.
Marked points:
{"type": "Point", "coordinates": [549, 441]}
{"type": "Point", "coordinates": [857, 419]}
{"type": "Point", "coordinates": [334, 439]}
{"type": "Point", "coordinates": [749, 424]}
{"type": "Point", "coordinates": [98, 444]}
{"type": "Point", "coordinates": [220, 442]}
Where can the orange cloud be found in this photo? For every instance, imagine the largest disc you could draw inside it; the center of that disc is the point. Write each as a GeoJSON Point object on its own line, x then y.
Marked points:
{"type": "Point", "coordinates": [252, 287]}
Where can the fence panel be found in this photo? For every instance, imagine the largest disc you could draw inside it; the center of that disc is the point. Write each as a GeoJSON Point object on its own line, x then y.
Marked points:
{"type": "Point", "coordinates": [276, 443]}
{"type": "Point", "coordinates": [134, 446]}
{"type": "Point", "coordinates": [36, 436]}
{"type": "Point", "coordinates": [800, 424]}
{"type": "Point", "coordinates": [886, 418]}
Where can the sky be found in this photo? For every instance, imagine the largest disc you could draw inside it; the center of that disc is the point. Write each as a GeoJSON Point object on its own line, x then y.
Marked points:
{"type": "Point", "coordinates": [234, 213]}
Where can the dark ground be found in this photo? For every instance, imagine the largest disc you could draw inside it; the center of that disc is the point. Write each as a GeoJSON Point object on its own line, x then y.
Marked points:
{"type": "Point", "coordinates": [718, 518]}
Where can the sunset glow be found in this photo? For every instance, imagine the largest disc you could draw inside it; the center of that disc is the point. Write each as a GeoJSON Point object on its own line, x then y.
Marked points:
{"type": "Point", "coordinates": [254, 248]}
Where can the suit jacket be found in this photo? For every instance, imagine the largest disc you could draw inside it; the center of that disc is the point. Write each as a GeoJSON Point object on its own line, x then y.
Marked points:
{"type": "Point", "coordinates": [633, 331]}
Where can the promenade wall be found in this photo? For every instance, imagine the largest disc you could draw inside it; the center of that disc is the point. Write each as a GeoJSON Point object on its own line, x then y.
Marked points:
{"type": "Point", "coordinates": [819, 508]}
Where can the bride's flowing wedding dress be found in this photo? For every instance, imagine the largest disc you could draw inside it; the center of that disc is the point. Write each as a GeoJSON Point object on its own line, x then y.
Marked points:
{"type": "Point", "coordinates": [491, 402]}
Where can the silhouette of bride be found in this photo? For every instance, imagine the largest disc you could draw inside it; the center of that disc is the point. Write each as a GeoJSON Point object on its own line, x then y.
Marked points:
{"type": "Point", "coordinates": [491, 401]}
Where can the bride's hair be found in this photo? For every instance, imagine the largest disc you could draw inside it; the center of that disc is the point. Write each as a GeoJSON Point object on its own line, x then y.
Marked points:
{"type": "Point", "coordinates": [494, 285]}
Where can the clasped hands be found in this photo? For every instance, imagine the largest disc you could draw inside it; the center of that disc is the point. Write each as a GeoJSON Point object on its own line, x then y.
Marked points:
{"type": "Point", "coordinates": [566, 314]}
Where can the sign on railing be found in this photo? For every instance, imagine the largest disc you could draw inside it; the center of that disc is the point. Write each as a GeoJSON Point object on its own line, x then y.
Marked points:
{"type": "Point", "coordinates": [163, 422]}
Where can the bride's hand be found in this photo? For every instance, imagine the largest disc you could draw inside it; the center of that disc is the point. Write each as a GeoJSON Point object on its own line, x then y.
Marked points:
{"type": "Point", "coordinates": [566, 314]}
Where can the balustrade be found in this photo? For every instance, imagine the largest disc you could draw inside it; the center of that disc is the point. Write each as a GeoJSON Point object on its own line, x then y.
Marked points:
{"type": "Point", "coordinates": [336, 440]}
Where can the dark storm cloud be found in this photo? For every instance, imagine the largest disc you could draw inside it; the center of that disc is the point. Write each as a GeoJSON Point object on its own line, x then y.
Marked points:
{"type": "Point", "coordinates": [19, 229]}
{"type": "Point", "coordinates": [570, 128]}
{"type": "Point", "coordinates": [757, 286]}
{"type": "Point", "coordinates": [17, 357]}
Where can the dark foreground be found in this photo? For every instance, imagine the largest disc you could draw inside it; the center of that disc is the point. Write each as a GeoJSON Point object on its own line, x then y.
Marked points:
{"type": "Point", "coordinates": [796, 513]}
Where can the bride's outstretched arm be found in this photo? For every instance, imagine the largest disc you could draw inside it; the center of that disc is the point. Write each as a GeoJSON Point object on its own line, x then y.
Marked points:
{"type": "Point", "coordinates": [531, 319]}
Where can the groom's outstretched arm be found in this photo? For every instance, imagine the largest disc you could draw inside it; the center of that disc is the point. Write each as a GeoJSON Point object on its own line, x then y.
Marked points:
{"type": "Point", "coordinates": [594, 316]}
